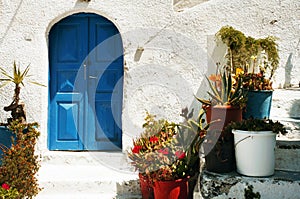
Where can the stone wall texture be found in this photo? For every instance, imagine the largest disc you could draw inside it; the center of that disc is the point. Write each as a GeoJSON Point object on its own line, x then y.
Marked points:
{"type": "Point", "coordinates": [168, 48]}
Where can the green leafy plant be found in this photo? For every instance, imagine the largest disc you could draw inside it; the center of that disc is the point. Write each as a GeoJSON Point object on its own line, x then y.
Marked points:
{"type": "Point", "coordinates": [252, 124]}
{"type": "Point", "coordinates": [19, 163]}
{"type": "Point", "coordinates": [225, 90]}
{"type": "Point", "coordinates": [18, 77]}
{"type": "Point", "coordinates": [6, 192]}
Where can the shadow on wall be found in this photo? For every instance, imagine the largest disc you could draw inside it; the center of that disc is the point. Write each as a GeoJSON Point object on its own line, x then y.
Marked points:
{"type": "Point", "coordinates": [288, 70]}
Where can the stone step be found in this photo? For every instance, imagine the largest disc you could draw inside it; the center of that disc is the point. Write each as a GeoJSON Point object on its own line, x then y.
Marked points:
{"type": "Point", "coordinates": [232, 185]}
{"type": "Point", "coordinates": [87, 175]}
{"type": "Point", "coordinates": [287, 155]}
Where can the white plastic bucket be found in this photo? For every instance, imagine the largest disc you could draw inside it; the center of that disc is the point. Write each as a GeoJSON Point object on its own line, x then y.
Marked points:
{"type": "Point", "coordinates": [255, 152]}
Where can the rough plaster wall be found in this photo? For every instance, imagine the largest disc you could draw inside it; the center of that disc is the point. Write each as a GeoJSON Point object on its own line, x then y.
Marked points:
{"type": "Point", "coordinates": [174, 59]}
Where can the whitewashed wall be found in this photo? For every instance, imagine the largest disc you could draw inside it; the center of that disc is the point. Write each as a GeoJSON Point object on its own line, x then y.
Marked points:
{"type": "Point", "coordinates": [177, 41]}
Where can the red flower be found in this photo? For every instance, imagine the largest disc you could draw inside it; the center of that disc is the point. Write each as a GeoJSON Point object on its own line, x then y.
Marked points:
{"type": "Point", "coordinates": [136, 149]}
{"type": "Point", "coordinates": [180, 154]}
{"type": "Point", "coordinates": [5, 186]}
{"type": "Point", "coordinates": [164, 151]}
{"type": "Point", "coordinates": [153, 139]}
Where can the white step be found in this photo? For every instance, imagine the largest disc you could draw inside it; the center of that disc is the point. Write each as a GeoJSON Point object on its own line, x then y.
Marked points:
{"type": "Point", "coordinates": [87, 175]}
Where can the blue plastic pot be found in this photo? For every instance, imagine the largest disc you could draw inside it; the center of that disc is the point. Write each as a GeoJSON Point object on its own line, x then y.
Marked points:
{"type": "Point", "coordinates": [258, 104]}
{"type": "Point", "coordinates": [5, 139]}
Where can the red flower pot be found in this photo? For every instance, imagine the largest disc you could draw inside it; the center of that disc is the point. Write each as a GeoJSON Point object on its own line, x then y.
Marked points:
{"type": "Point", "coordinates": [176, 189]}
{"type": "Point", "coordinates": [225, 114]}
{"type": "Point", "coordinates": [146, 187]}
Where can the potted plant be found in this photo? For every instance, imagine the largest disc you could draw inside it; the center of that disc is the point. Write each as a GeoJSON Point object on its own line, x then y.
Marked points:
{"type": "Point", "coordinates": [17, 109]}
{"type": "Point", "coordinates": [167, 155]}
{"type": "Point", "coordinates": [227, 98]}
{"type": "Point", "coordinates": [256, 58]}
{"type": "Point", "coordinates": [19, 163]}
{"type": "Point", "coordinates": [225, 105]}
{"type": "Point", "coordinates": [258, 91]}
{"type": "Point", "coordinates": [156, 134]}
{"type": "Point", "coordinates": [255, 141]}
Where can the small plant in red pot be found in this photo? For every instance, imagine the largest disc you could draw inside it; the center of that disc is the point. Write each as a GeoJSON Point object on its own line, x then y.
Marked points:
{"type": "Point", "coordinates": [156, 134]}
{"type": "Point", "coordinates": [225, 105]}
{"type": "Point", "coordinates": [167, 155]}
{"type": "Point", "coordinates": [227, 99]}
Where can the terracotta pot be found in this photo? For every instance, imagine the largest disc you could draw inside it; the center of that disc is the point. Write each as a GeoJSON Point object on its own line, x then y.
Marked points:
{"type": "Point", "coordinates": [225, 114]}
{"type": "Point", "coordinates": [177, 189]}
{"type": "Point", "coordinates": [146, 187]}
{"type": "Point", "coordinates": [219, 150]}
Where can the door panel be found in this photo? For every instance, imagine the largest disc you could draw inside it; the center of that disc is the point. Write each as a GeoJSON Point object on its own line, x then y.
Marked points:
{"type": "Point", "coordinates": [85, 120]}
{"type": "Point", "coordinates": [104, 71]}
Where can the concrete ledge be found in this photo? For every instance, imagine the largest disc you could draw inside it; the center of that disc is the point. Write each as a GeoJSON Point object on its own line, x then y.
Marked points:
{"type": "Point", "coordinates": [232, 185]}
{"type": "Point", "coordinates": [287, 154]}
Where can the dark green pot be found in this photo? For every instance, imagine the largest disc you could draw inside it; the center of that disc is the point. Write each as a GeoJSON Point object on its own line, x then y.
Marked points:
{"type": "Point", "coordinates": [258, 104]}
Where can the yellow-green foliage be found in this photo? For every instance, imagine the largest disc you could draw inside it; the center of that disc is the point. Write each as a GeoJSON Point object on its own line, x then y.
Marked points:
{"type": "Point", "coordinates": [241, 48]}
{"type": "Point", "coordinates": [20, 164]}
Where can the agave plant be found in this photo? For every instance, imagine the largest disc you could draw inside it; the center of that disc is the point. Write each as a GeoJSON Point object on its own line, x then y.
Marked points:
{"type": "Point", "coordinates": [225, 90]}
{"type": "Point", "coordinates": [18, 78]}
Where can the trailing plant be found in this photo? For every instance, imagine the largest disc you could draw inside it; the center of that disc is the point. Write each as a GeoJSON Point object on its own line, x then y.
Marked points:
{"type": "Point", "coordinates": [20, 164]}
{"type": "Point", "coordinates": [241, 48]}
{"type": "Point", "coordinates": [17, 78]}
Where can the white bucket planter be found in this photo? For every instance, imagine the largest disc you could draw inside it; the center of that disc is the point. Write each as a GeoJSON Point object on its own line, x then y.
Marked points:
{"type": "Point", "coordinates": [255, 152]}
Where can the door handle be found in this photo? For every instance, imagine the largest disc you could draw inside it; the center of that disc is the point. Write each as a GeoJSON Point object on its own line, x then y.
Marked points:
{"type": "Point", "coordinates": [84, 71]}
{"type": "Point", "coordinates": [92, 77]}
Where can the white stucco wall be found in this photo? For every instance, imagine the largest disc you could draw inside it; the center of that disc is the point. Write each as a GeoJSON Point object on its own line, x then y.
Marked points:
{"type": "Point", "coordinates": [176, 44]}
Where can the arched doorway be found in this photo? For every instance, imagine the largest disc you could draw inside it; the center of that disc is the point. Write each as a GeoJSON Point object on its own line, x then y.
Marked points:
{"type": "Point", "coordinates": [85, 48]}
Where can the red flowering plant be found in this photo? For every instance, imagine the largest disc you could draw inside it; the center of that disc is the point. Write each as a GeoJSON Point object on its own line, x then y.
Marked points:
{"type": "Point", "coordinates": [156, 135]}
{"type": "Point", "coordinates": [8, 192]}
{"type": "Point", "coordinates": [171, 152]}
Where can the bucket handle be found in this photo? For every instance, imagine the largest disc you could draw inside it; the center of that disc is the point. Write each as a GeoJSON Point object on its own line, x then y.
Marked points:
{"type": "Point", "coordinates": [249, 136]}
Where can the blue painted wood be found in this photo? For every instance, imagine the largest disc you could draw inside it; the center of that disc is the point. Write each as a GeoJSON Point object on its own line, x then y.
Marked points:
{"type": "Point", "coordinates": [6, 138]}
{"type": "Point", "coordinates": [105, 96]}
{"type": "Point", "coordinates": [90, 119]}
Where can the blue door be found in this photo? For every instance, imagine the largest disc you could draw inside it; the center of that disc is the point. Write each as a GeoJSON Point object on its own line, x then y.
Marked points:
{"type": "Point", "coordinates": [85, 94]}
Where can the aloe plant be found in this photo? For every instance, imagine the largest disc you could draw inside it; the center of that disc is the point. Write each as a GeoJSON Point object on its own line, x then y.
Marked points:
{"type": "Point", "coordinates": [18, 79]}
{"type": "Point", "coordinates": [224, 91]}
